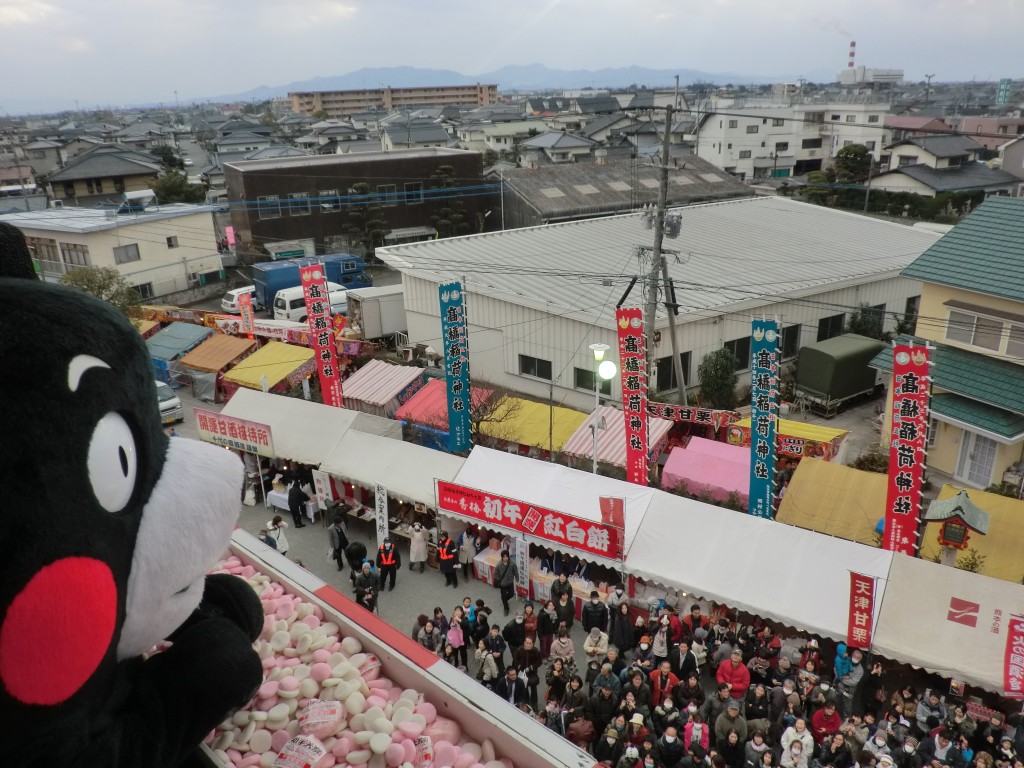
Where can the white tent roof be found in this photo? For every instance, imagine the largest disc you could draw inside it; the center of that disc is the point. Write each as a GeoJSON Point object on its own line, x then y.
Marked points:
{"type": "Point", "coordinates": [764, 567]}
{"type": "Point", "coordinates": [941, 618]}
{"type": "Point", "coordinates": [304, 431]}
{"type": "Point", "coordinates": [408, 470]}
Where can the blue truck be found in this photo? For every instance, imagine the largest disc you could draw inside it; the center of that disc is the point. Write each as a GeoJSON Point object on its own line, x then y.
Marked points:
{"type": "Point", "coordinates": [272, 276]}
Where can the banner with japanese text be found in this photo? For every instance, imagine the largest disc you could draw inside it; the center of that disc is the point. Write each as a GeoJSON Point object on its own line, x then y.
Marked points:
{"type": "Point", "coordinates": [242, 435]}
{"type": "Point", "coordinates": [245, 310]}
{"type": "Point", "coordinates": [633, 365]}
{"type": "Point", "coordinates": [564, 530]}
{"type": "Point", "coordinates": [456, 365]}
{"type": "Point", "coordinates": [613, 513]}
{"type": "Point", "coordinates": [318, 312]}
{"type": "Point", "coordinates": [522, 556]}
{"type": "Point", "coordinates": [380, 508]}
{"type": "Point", "coordinates": [862, 611]}
{"type": "Point", "coordinates": [764, 386]}
{"type": "Point", "coordinates": [908, 443]}
{"type": "Point", "coordinates": [1013, 660]}
{"type": "Point", "coordinates": [322, 488]}
{"type": "Point", "coordinates": [692, 415]}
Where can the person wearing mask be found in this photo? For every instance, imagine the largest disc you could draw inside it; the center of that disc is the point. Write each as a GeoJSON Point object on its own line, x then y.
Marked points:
{"type": "Point", "coordinates": [447, 552]}
{"type": "Point", "coordinates": [643, 656]}
{"type": "Point", "coordinates": [275, 529]}
{"type": "Point", "coordinates": [821, 696]}
{"type": "Point", "coordinates": [794, 756]}
{"type": "Point", "coordinates": [562, 647]}
{"type": "Point", "coordinates": [669, 747]}
{"type": "Point", "coordinates": [735, 674]}
{"type": "Point", "coordinates": [430, 638]}
{"type": "Point", "coordinates": [595, 644]}
{"type": "Point", "coordinates": [620, 627]}
{"type": "Point", "coordinates": [297, 499]}
{"type": "Point", "coordinates": [505, 580]}
{"type": "Point", "coordinates": [668, 714]}
{"type": "Point", "coordinates": [878, 744]}
{"type": "Point", "coordinates": [388, 563]}
{"type": "Point", "coordinates": [418, 538]}
{"type": "Point", "coordinates": [615, 598]}
{"type": "Point", "coordinates": [847, 685]}
{"type": "Point", "coordinates": [595, 613]}
{"type": "Point", "coordinates": [527, 660]}
{"type": "Point", "coordinates": [608, 749]}
{"type": "Point", "coordinates": [339, 541]}
{"type": "Point", "coordinates": [514, 633]}
{"type": "Point", "coordinates": [662, 683]}
{"type": "Point", "coordinates": [547, 625]}
{"type": "Point", "coordinates": [511, 688]}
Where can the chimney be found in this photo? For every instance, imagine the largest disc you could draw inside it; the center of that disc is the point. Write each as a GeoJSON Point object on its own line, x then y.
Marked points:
{"type": "Point", "coordinates": [853, 54]}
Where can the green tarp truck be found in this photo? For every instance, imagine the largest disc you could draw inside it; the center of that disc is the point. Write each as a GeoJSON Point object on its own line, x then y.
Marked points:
{"type": "Point", "coordinates": [833, 371]}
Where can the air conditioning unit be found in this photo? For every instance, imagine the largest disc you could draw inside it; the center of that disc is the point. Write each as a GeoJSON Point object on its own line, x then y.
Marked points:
{"type": "Point", "coordinates": [56, 203]}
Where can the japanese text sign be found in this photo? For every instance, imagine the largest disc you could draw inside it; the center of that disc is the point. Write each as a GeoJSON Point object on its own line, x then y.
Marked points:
{"type": "Point", "coordinates": [613, 513]}
{"type": "Point", "coordinates": [321, 329]}
{"type": "Point", "coordinates": [380, 498]}
{"type": "Point", "coordinates": [862, 611]}
{"type": "Point", "coordinates": [522, 555]}
{"type": "Point", "coordinates": [908, 442]}
{"type": "Point", "coordinates": [764, 377]}
{"type": "Point", "coordinates": [322, 488]}
{"type": "Point", "coordinates": [690, 415]}
{"type": "Point", "coordinates": [242, 435]}
{"type": "Point", "coordinates": [456, 364]}
{"type": "Point", "coordinates": [562, 529]}
{"type": "Point", "coordinates": [633, 364]}
{"type": "Point", "coordinates": [245, 310]}
{"type": "Point", "coordinates": [1013, 663]}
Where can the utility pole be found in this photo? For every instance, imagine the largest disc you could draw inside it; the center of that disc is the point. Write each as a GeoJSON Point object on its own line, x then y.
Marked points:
{"type": "Point", "coordinates": [654, 276]}
{"type": "Point", "coordinates": [867, 187]}
{"type": "Point", "coordinates": [928, 89]}
{"type": "Point", "coordinates": [677, 363]}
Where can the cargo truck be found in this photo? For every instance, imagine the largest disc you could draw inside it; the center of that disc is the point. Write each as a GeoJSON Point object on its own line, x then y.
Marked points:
{"type": "Point", "coordinates": [831, 372]}
{"type": "Point", "coordinates": [377, 312]}
{"type": "Point", "coordinates": [272, 276]}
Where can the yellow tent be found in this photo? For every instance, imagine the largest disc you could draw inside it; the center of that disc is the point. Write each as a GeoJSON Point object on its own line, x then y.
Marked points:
{"type": "Point", "coordinates": [834, 499]}
{"type": "Point", "coordinates": [792, 436]}
{"type": "Point", "coordinates": [275, 360]}
{"type": "Point", "coordinates": [1003, 543]}
{"type": "Point", "coordinates": [528, 423]}
{"type": "Point", "coordinates": [145, 327]}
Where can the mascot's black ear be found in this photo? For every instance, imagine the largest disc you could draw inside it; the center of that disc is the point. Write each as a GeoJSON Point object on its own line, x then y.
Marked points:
{"type": "Point", "coordinates": [15, 260]}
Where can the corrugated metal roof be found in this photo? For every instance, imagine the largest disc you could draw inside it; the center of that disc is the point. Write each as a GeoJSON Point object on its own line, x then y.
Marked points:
{"type": "Point", "coordinates": [378, 382]}
{"type": "Point", "coordinates": [732, 255]}
{"type": "Point", "coordinates": [611, 441]}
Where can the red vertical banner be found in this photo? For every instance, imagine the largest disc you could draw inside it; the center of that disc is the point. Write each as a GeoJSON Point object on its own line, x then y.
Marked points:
{"type": "Point", "coordinates": [321, 329]}
{"type": "Point", "coordinates": [633, 363]}
{"type": "Point", "coordinates": [1013, 661]}
{"type": "Point", "coordinates": [245, 309]}
{"type": "Point", "coordinates": [908, 443]}
{"type": "Point", "coordinates": [862, 611]}
{"type": "Point", "coordinates": [613, 513]}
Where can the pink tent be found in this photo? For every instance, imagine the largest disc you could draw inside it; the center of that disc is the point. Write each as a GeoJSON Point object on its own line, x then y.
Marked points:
{"type": "Point", "coordinates": [708, 466]}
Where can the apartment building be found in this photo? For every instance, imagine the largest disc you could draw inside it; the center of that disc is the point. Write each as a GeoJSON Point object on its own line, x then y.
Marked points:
{"type": "Point", "coordinates": [342, 103]}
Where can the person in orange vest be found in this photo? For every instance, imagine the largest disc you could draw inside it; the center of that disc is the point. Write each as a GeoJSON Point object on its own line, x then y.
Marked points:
{"type": "Point", "coordinates": [388, 563]}
{"type": "Point", "coordinates": [447, 551]}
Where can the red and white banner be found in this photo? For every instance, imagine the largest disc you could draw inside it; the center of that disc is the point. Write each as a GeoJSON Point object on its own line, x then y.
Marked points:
{"type": "Point", "coordinates": [245, 310]}
{"type": "Point", "coordinates": [690, 415]}
{"type": "Point", "coordinates": [908, 443]}
{"type": "Point", "coordinates": [613, 513]}
{"type": "Point", "coordinates": [242, 435]}
{"type": "Point", "coordinates": [562, 529]}
{"type": "Point", "coordinates": [862, 611]}
{"type": "Point", "coordinates": [633, 365]}
{"type": "Point", "coordinates": [1013, 660]}
{"type": "Point", "coordinates": [321, 328]}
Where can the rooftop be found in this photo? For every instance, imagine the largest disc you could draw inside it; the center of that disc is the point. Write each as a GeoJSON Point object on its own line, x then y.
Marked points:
{"type": "Point", "coordinates": [557, 140]}
{"type": "Point", "coordinates": [944, 146]}
{"type": "Point", "coordinates": [963, 177]}
{"type": "Point", "coordinates": [394, 156]}
{"type": "Point", "coordinates": [87, 220]}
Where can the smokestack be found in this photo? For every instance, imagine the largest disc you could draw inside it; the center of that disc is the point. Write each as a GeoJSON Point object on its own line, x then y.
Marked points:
{"type": "Point", "coordinates": [853, 53]}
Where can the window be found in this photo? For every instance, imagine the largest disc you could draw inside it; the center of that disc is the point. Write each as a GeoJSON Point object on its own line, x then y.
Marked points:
{"type": "Point", "coordinates": [298, 204]}
{"type": "Point", "coordinates": [764, 121]}
{"type": "Point", "coordinates": [744, 154]}
{"type": "Point", "coordinates": [329, 200]}
{"type": "Point", "coordinates": [778, 122]}
{"type": "Point", "coordinates": [126, 253]}
{"type": "Point", "coordinates": [729, 146]}
{"type": "Point", "coordinates": [974, 330]}
{"type": "Point", "coordinates": [666, 379]}
{"type": "Point", "coordinates": [269, 206]}
{"type": "Point", "coordinates": [145, 290]}
{"type": "Point", "coordinates": [847, 142]}
{"type": "Point", "coordinates": [810, 144]}
{"type": "Point", "coordinates": [585, 380]}
{"type": "Point", "coordinates": [534, 366]}
{"type": "Point", "coordinates": [912, 306]}
{"type": "Point", "coordinates": [752, 128]}
{"type": "Point", "coordinates": [45, 252]}
{"type": "Point", "coordinates": [38, 154]}
{"type": "Point", "coordinates": [835, 117]}
{"type": "Point", "coordinates": [172, 241]}
{"type": "Point", "coordinates": [781, 146]}
{"type": "Point", "coordinates": [75, 255]}
{"type": "Point", "coordinates": [414, 196]}
{"type": "Point", "coordinates": [872, 118]}
{"type": "Point", "coordinates": [734, 123]}
{"type": "Point", "coordinates": [740, 349]}
{"type": "Point", "coordinates": [119, 183]}
{"type": "Point", "coordinates": [815, 117]}
{"type": "Point", "coordinates": [906, 160]}
{"type": "Point", "coordinates": [933, 433]}
{"type": "Point", "coordinates": [851, 118]}
{"type": "Point", "coordinates": [1015, 342]}
{"type": "Point", "coordinates": [388, 194]}
{"type": "Point", "coordinates": [69, 189]}
{"type": "Point", "coordinates": [831, 326]}
{"type": "Point", "coordinates": [870, 145]}
{"type": "Point", "coordinates": [790, 341]}
{"type": "Point", "coordinates": [88, 186]}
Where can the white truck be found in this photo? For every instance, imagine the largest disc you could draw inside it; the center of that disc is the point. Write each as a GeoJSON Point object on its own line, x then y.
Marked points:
{"type": "Point", "coordinates": [378, 312]}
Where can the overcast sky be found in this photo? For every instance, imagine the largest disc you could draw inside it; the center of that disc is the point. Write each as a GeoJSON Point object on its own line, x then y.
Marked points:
{"type": "Point", "coordinates": [114, 52]}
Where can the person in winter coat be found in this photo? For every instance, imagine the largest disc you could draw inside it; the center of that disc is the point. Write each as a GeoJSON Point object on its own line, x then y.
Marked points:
{"type": "Point", "coordinates": [855, 730]}
{"type": "Point", "coordinates": [620, 627]}
{"type": "Point", "coordinates": [848, 683]}
{"type": "Point", "coordinates": [637, 730]}
{"type": "Point", "coordinates": [275, 528]}
{"type": "Point", "coordinates": [643, 656]}
{"type": "Point", "coordinates": [580, 731]}
{"type": "Point", "coordinates": [297, 499]}
{"type": "Point", "coordinates": [547, 626]}
{"type": "Point", "coordinates": [505, 580]}
{"type": "Point", "coordinates": [735, 674]}
{"type": "Point", "coordinates": [510, 687]}
{"type": "Point", "coordinates": [821, 696]}
{"type": "Point", "coordinates": [731, 748]}
{"type": "Point", "coordinates": [730, 720]}
{"type": "Point", "coordinates": [467, 545]}
{"type": "Point", "coordinates": [421, 622]}
{"type": "Point", "coordinates": [447, 553]}
{"type": "Point", "coordinates": [871, 693]}
{"type": "Point", "coordinates": [932, 706]}
{"type": "Point", "coordinates": [942, 747]}
{"type": "Point", "coordinates": [616, 598]}
{"type": "Point", "coordinates": [798, 732]}
{"type": "Point", "coordinates": [530, 623]}
{"type": "Point", "coordinates": [668, 714]}
{"type": "Point", "coordinates": [551, 562]}
{"type": "Point", "coordinates": [458, 635]}
{"type": "Point", "coordinates": [496, 645]}
{"type": "Point", "coordinates": [487, 668]}
{"type": "Point", "coordinates": [430, 637]}
{"type": "Point", "coordinates": [418, 547]}
{"type": "Point", "coordinates": [835, 753]}
{"type": "Point", "coordinates": [660, 640]}
{"type": "Point", "coordinates": [595, 613]}
{"type": "Point", "coordinates": [607, 678]}
{"type": "Point", "coordinates": [595, 644]}
{"type": "Point", "coordinates": [514, 633]}
{"type": "Point", "coordinates": [561, 586]}
{"type": "Point", "coordinates": [670, 747]}
{"type": "Point", "coordinates": [662, 683]}
{"type": "Point", "coordinates": [697, 733]}
{"type": "Point", "coordinates": [366, 587]}
{"type": "Point", "coordinates": [388, 562]}
{"type": "Point", "coordinates": [630, 758]}
{"type": "Point", "coordinates": [355, 553]}
{"type": "Point", "coordinates": [695, 620]}
{"type": "Point", "coordinates": [689, 690]}
{"type": "Point", "coordinates": [562, 647]}
{"type": "Point", "coordinates": [824, 723]}
{"type": "Point", "coordinates": [575, 697]}
{"type": "Point", "coordinates": [608, 748]}
{"type": "Point", "coordinates": [641, 691]}
{"type": "Point", "coordinates": [878, 744]}
{"type": "Point", "coordinates": [565, 609]}
{"type": "Point", "coordinates": [905, 699]}
{"type": "Point", "coordinates": [755, 749]}
{"type": "Point", "coordinates": [527, 660]}
{"type": "Point", "coordinates": [795, 755]}
{"type": "Point", "coordinates": [339, 541]}
{"type": "Point", "coordinates": [683, 660]}
{"type": "Point", "coordinates": [557, 678]}
{"type": "Point", "coordinates": [715, 704]}
{"type": "Point", "coordinates": [602, 708]}
{"type": "Point", "coordinates": [757, 712]}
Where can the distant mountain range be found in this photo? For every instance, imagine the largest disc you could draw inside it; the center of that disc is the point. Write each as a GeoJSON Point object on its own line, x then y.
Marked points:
{"type": "Point", "coordinates": [521, 77]}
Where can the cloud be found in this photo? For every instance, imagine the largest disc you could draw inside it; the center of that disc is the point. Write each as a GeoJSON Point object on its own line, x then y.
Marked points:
{"type": "Point", "coordinates": [75, 45]}
{"type": "Point", "coordinates": [314, 15]}
{"type": "Point", "coordinates": [24, 11]}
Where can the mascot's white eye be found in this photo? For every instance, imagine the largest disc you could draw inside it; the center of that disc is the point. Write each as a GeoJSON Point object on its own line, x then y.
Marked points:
{"type": "Point", "coordinates": [113, 462]}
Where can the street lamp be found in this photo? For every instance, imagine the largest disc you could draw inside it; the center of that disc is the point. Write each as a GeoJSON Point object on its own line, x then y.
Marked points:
{"type": "Point", "coordinates": [606, 371]}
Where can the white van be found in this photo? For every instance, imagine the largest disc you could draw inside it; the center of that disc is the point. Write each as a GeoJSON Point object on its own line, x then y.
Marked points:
{"type": "Point", "coordinates": [170, 406]}
{"type": "Point", "coordinates": [290, 304]}
{"type": "Point", "coordinates": [230, 301]}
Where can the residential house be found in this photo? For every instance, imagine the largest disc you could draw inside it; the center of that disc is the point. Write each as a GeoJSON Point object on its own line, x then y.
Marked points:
{"type": "Point", "coordinates": [972, 313]}
{"type": "Point", "coordinates": [899, 127]}
{"type": "Point", "coordinates": [229, 127]}
{"type": "Point", "coordinates": [1011, 157]}
{"type": "Point", "coordinates": [603, 127]}
{"type": "Point", "coordinates": [44, 155]}
{"type": "Point", "coordinates": [990, 132]}
{"type": "Point", "coordinates": [555, 147]}
{"type": "Point", "coordinates": [502, 136]}
{"type": "Point", "coordinates": [935, 164]}
{"type": "Point", "coordinates": [342, 103]}
{"type": "Point", "coordinates": [241, 142]}
{"type": "Point", "coordinates": [101, 174]}
{"type": "Point", "coordinates": [414, 134]}
{"type": "Point", "coordinates": [162, 251]}
{"type": "Point", "coordinates": [145, 135]}
{"type": "Point", "coordinates": [18, 189]}
{"type": "Point", "coordinates": [292, 125]}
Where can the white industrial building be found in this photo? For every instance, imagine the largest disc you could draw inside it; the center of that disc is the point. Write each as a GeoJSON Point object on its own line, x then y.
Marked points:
{"type": "Point", "coordinates": [538, 297]}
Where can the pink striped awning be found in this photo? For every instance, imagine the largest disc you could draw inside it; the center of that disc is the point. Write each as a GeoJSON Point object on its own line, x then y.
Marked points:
{"type": "Point", "coordinates": [380, 387]}
{"type": "Point", "coordinates": [611, 441]}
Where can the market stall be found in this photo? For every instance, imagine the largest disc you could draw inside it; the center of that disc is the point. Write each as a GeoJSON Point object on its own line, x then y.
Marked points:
{"type": "Point", "coordinates": [796, 439]}
{"type": "Point", "coordinates": [528, 427]}
{"type": "Point", "coordinates": [146, 328]}
{"type": "Point", "coordinates": [834, 499]}
{"type": "Point", "coordinates": [708, 467]}
{"type": "Point", "coordinates": [381, 388]}
{"type": "Point", "coordinates": [167, 346]}
{"type": "Point", "coordinates": [282, 365]}
{"type": "Point", "coordinates": [427, 412]}
{"type": "Point", "coordinates": [611, 438]}
{"type": "Point", "coordinates": [208, 362]}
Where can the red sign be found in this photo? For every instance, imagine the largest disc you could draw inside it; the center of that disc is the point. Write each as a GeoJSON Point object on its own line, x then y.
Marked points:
{"type": "Point", "coordinates": [245, 310]}
{"type": "Point", "coordinates": [1013, 660]}
{"type": "Point", "coordinates": [690, 415]}
{"type": "Point", "coordinates": [566, 530]}
{"type": "Point", "coordinates": [862, 611]}
{"type": "Point", "coordinates": [248, 436]}
{"type": "Point", "coordinates": [963, 612]}
{"type": "Point", "coordinates": [633, 360]}
{"type": "Point", "coordinates": [908, 442]}
{"type": "Point", "coordinates": [321, 329]}
{"type": "Point", "coordinates": [613, 513]}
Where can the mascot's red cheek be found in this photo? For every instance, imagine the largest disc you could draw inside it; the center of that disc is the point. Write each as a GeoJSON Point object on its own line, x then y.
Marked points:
{"type": "Point", "coordinates": [57, 630]}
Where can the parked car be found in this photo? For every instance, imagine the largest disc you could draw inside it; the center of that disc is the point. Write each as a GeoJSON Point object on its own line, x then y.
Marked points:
{"type": "Point", "coordinates": [230, 301]}
{"type": "Point", "coordinates": [290, 303]}
{"type": "Point", "coordinates": [170, 406]}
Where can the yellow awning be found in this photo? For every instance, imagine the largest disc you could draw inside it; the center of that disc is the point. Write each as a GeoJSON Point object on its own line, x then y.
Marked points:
{"type": "Point", "coordinates": [529, 423]}
{"type": "Point", "coordinates": [802, 430]}
{"type": "Point", "coordinates": [1001, 546]}
{"type": "Point", "coordinates": [275, 360]}
{"type": "Point", "coordinates": [834, 499]}
{"type": "Point", "coordinates": [144, 326]}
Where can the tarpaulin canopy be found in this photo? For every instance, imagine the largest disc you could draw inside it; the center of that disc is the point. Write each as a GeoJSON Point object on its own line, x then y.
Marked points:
{"type": "Point", "coordinates": [528, 423]}
{"type": "Point", "coordinates": [146, 327]}
{"type": "Point", "coordinates": [406, 469]}
{"type": "Point", "coordinates": [176, 339]}
{"type": "Point", "coordinates": [797, 577]}
{"type": "Point", "coordinates": [795, 438]}
{"type": "Point", "coordinates": [611, 440]}
{"type": "Point", "coordinates": [275, 360]}
{"type": "Point", "coordinates": [380, 387]}
{"type": "Point", "coordinates": [835, 499]}
{"type": "Point", "coordinates": [304, 431]}
{"type": "Point", "coordinates": [709, 467]}
{"type": "Point", "coordinates": [217, 352]}
{"type": "Point", "coordinates": [429, 406]}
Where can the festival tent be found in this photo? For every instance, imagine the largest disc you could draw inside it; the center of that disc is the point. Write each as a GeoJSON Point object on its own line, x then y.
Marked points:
{"type": "Point", "coordinates": [283, 365]}
{"type": "Point", "coordinates": [406, 469]}
{"type": "Point", "coordinates": [146, 328]}
{"type": "Point", "coordinates": [427, 410]}
{"type": "Point", "coordinates": [526, 423]}
{"type": "Point", "coordinates": [305, 431]}
{"type": "Point", "coordinates": [835, 500]}
{"type": "Point", "coordinates": [212, 357]}
{"type": "Point", "coordinates": [168, 345]}
{"type": "Point", "coordinates": [796, 438]}
{"type": "Point", "coordinates": [709, 467]}
{"type": "Point", "coordinates": [380, 388]}
{"type": "Point", "coordinates": [611, 440]}
{"type": "Point", "coordinates": [797, 577]}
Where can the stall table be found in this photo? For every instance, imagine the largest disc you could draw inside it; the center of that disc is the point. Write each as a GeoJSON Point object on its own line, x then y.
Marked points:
{"type": "Point", "coordinates": [279, 500]}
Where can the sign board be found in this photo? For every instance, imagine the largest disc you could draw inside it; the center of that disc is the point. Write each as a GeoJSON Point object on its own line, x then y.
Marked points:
{"type": "Point", "coordinates": [692, 415]}
{"type": "Point", "coordinates": [380, 497]}
{"type": "Point", "coordinates": [862, 611]}
{"type": "Point", "coordinates": [456, 365]}
{"type": "Point", "coordinates": [322, 488]}
{"type": "Point", "coordinates": [522, 555]}
{"type": "Point", "coordinates": [633, 364]}
{"type": "Point", "coordinates": [613, 513]}
{"type": "Point", "coordinates": [764, 386]}
{"type": "Point", "coordinates": [293, 254]}
{"type": "Point", "coordinates": [1013, 660]}
{"type": "Point", "coordinates": [242, 435]}
{"type": "Point", "coordinates": [245, 310]}
{"type": "Point", "coordinates": [321, 329]}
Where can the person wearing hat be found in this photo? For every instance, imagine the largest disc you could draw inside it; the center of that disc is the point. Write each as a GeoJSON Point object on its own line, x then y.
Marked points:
{"type": "Point", "coordinates": [630, 758]}
{"type": "Point", "coordinates": [643, 656]}
{"type": "Point", "coordinates": [608, 748]}
{"type": "Point", "coordinates": [339, 541]}
{"type": "Point", "coordinates": [595, 644]}
{"type": "Point", "coordinates": [730, 720]}
{"type": "Point", "coordinates": [388, 563]}
{"type": "Point", "coordinates": [602, 707]}
{"type": "Point", "coordinates": [595, 613]}
{"type": "Point", "coordinates": [418, 538]}
{"type": "Point", "coordinates": [886, 761]}
{"type": "Point", "coordinates": [366, 587]}
{"type": "Point", "coordinates": [637, 730]}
